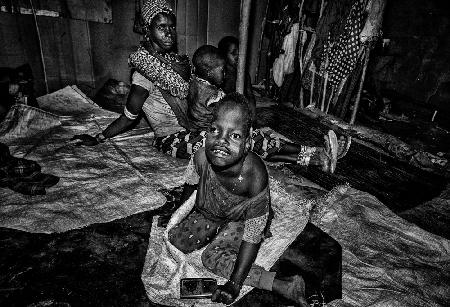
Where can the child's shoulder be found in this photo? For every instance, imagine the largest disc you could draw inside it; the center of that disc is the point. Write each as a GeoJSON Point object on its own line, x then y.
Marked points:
{"type": "Point", "coordinates": [257, 173]}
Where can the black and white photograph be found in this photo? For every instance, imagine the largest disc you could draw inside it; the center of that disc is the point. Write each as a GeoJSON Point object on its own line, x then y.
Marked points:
{"type": "Point", "coordinates": [199, 153]}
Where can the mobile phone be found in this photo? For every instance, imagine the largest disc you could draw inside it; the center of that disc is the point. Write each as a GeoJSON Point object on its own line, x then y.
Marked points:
{"type": "Point", "coordinates": [197, 287]}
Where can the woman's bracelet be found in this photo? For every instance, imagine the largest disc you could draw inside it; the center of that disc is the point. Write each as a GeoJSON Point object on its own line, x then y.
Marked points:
{"type": "Point", "coordinates": [100, 138]}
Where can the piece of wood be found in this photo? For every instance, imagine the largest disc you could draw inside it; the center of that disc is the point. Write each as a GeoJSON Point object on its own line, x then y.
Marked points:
{"type": "Point", "coordinates": [330, 99]}
{"type": "Point", "coordinates": [181, 26]}
{"type": "Point", "coordinates": [261, 38]}
{"type": "Point", "coordinates": [97, 10]}
{"type": "Point", "coordinates": [311, 90]}
{"type": "Point", "coordinates": [82, 52]}
{"type": "Point", "coordinates": [349, 89]}
{"type": "Point", "coordinates": [243, 40]}
{"type": "Point", "coordinates": [324, 92]}
{"type": "Point", "coordinates": [361, 83]}
{"type": "Point", "coordinates": [202, 22]}
{"type": "Point", "coordinates": [192, 27]}
{"type": "Point", "coordinates": [92, 10]}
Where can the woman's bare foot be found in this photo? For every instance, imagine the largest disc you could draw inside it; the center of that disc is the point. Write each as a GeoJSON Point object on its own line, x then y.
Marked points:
{"type": "Point", "coordinates": [292, 288]}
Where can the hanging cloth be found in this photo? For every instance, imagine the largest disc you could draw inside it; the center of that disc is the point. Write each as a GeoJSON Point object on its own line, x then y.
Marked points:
{"type": "Point", "coordinates": [372, 28]}
{"type": "Point", "coordinates": [284, 64]}
{"type": "Point", "coordinates": [139, 23]}
{"type": "Point", "coordinates": [343, 52]}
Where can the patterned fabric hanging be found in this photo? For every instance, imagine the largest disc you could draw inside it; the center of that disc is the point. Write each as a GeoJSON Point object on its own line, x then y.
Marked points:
{"type": "Point", "coordinates": [343, 52]}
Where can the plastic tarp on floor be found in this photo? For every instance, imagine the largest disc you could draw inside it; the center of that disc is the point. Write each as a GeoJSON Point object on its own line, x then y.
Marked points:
{"type": "Point", "coordinates": [97, 184]}
{"type": "Point", "coordinates": [386, 260]}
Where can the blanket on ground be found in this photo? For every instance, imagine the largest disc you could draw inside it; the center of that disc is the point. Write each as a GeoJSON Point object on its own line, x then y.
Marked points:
{"type": "Point", "coordinates": [386, 260]}
{"type": "Point", "coordinates": [97, 184]}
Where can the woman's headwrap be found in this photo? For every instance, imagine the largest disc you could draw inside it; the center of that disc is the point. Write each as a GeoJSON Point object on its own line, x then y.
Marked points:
{"type": "Point", "coordinates": [153, 7]}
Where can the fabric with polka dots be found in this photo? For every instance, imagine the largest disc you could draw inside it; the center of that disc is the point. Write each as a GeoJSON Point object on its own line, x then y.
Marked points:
{"type": "Point", "coordinates": [343, 51]}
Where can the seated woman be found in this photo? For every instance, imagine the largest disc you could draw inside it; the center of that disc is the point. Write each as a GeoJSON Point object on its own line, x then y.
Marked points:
{"type": "Point", "coordinates": [160, 83]}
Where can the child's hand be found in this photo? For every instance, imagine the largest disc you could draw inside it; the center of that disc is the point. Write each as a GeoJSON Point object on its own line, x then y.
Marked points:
{"type": "Point", "coordinates": [226, 293]}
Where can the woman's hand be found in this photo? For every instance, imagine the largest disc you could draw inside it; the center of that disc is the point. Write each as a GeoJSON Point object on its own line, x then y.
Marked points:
{"type": "Point", "coordinates": [226, 293]}
{"type": "Point", "coordinates": [85, 139]}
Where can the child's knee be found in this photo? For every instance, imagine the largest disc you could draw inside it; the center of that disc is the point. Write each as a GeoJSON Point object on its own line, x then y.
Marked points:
{"type": "Point", "coordinates": [208, 258]}
{"type": "Point", "coordinates": [177, 240]}
{"type": "Point", "coordinates": [219, 260]}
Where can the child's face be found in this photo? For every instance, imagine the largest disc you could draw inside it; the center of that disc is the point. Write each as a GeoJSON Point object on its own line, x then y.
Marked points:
{"type": "Point", "coordinates": [217, 74]}
{"type": "Point", "coordinates": [232, 55]}
{"type": "Point", "coordinates": [227, 140]}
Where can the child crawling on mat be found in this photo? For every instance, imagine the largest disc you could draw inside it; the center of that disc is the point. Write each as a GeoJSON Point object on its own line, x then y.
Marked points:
{"type": "Point", "coordinates": [205, 90]}
{"type": "Point", "coordinates": [231, 212]}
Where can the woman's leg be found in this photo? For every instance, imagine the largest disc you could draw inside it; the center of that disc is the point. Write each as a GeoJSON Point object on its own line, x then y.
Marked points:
{"type": "Point", "coordinates": [181, 145]}
{"type": "Point", "coordinates": [273, 149]}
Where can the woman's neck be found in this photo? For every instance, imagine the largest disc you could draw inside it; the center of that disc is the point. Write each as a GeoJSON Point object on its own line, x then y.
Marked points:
{"type": "Point", "coordinates": [153, 48]}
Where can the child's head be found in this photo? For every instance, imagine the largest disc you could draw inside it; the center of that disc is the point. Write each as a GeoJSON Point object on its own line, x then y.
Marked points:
{"type": "Point", "coordinates": [229, 48]}
{"type": "Point", "coordinates": [228, 139]}
{"type": "Point", "coordinates": [209, 64]}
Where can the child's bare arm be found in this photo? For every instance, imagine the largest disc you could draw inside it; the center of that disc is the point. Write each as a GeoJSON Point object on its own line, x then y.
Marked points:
{"type": "Point", "coordinates": [229, 292]}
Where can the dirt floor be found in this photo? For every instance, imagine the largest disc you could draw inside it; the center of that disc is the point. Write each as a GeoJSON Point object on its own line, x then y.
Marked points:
{"type": "Point", "coordinates": [100, 265]}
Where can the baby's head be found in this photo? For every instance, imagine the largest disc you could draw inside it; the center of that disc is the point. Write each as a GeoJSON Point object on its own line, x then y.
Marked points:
{"type": "Point", "coordinates": [229, 48]}
{"type": "Point", "coordinates": [228, 139]}
{"type": "Point", "coordinates": [209, 64]}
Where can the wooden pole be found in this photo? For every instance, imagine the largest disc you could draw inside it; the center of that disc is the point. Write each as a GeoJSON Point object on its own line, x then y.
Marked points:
{"type": "Point", "coordinates": [243, 39]}
{"type": "Point", "coordinates": [311, 97]}
{"type": "Point", "coordinates": [263, 26]}
{"type": "Point", "coordinates": [361, 83]}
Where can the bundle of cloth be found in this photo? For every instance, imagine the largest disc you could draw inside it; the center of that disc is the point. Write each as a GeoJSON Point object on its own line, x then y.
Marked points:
{"type": "Point", "coordinates": [22, 175]}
